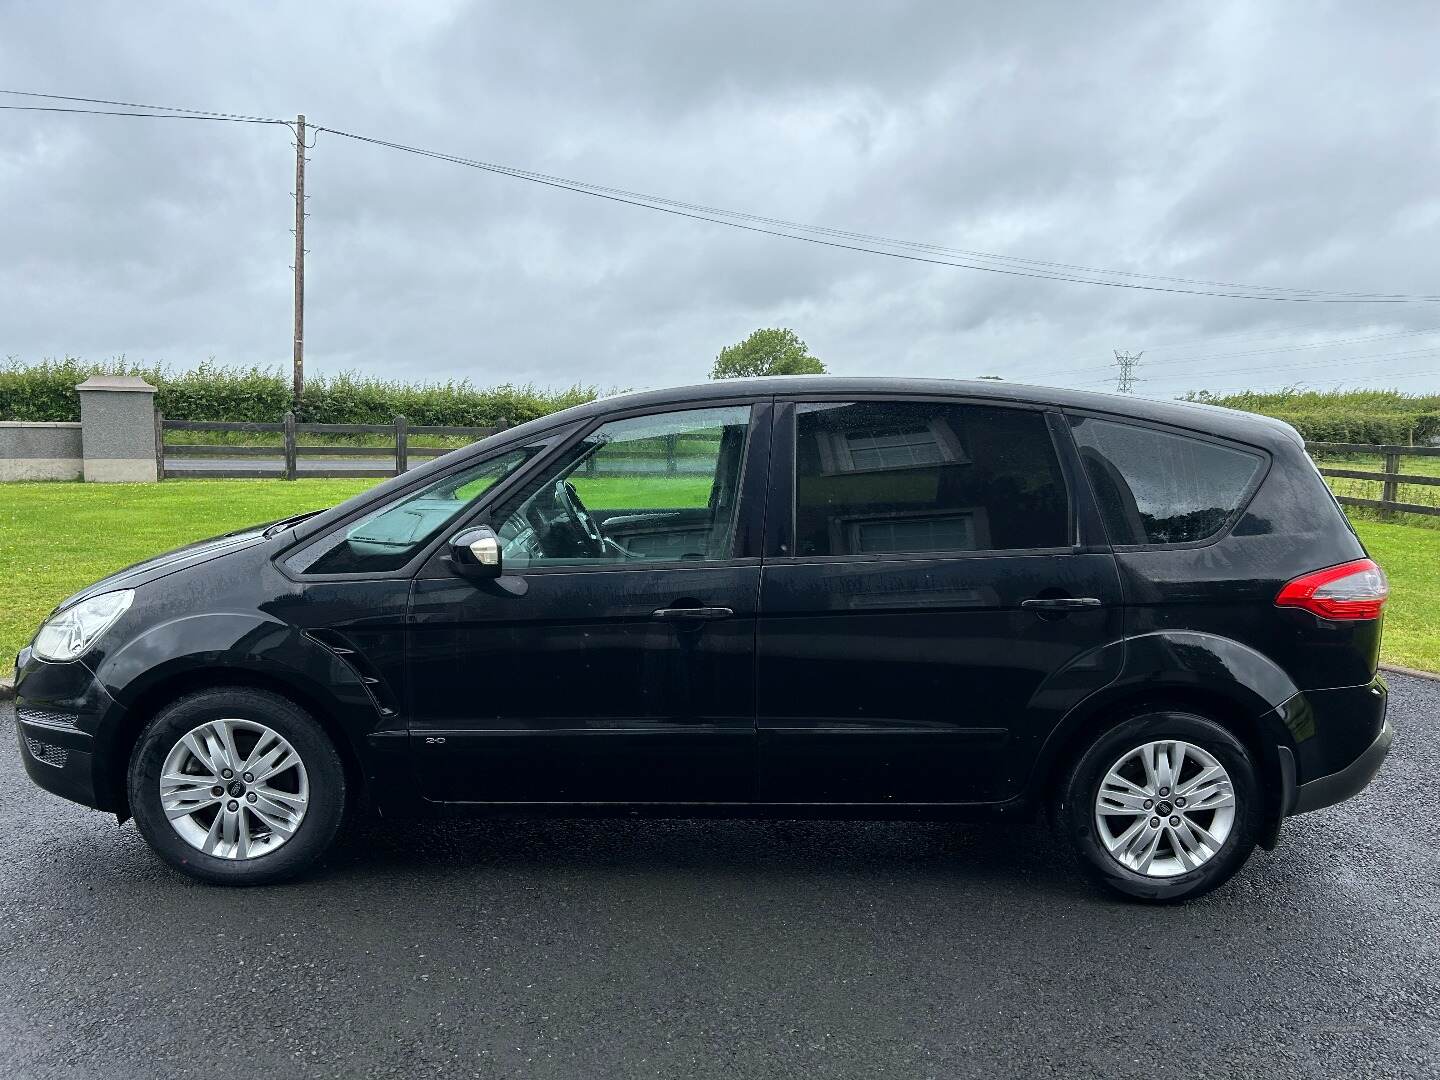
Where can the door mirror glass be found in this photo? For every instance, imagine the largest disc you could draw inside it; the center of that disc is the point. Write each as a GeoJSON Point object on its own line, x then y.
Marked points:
{"type": "Point", "coordinates": [476, 553]}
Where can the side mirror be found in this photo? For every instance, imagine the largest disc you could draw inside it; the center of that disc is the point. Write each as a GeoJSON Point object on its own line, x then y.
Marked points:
{"type": "Point", "coordinates": [476, 552]}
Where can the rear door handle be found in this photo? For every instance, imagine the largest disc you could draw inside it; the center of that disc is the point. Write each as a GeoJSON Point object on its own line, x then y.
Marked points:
{"type": "Point", "coordinates": [692, 614]}
{"type": "Point", "coordinates": [1062, 603]}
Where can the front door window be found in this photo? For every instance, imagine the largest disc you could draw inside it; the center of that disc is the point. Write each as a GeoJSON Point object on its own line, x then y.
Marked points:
{"type": "Point", "coordinates": [647, 489]}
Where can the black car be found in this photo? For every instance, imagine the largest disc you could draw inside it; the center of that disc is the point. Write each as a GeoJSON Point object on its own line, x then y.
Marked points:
{"type": "Point", "coordinates": [790, 597]}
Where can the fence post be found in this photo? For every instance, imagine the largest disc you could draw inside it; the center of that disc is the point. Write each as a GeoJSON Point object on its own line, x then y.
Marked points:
{"type": "Point", "coordinates": [159, 445]}
{"type": "Point", "coordinates": [402, 445]}
{"type": "Point", "coordinates": [290, 454]}
{"type": "Point", "coordinates": [670, 464]}
{"type": "Point", "coordinates": [1390, 489]}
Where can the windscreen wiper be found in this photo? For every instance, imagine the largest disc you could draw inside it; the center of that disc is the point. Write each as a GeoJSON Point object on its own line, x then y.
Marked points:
{"type": "Point", "coordinates": [285, 523]}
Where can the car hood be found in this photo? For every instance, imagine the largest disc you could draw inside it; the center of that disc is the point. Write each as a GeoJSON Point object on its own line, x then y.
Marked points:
{"type": "Point", "coordinates": [202, 551]}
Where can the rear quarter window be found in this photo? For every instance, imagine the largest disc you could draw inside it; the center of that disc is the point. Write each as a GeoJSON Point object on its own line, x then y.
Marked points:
{"type": "Point", "coordinates": [1161, 487]}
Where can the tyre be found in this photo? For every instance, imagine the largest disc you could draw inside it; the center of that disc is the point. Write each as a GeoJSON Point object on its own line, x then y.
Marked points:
{"type": "Point", "coordinates": [1163, 807]}
{"type": "Point", "coordinates": [236, 786]}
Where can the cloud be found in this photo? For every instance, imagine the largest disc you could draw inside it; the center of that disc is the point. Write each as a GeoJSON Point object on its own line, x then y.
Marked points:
{"type": "Point", "coordinates": [1292, 145]}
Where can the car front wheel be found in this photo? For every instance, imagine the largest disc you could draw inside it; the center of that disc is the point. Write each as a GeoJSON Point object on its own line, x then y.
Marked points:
{"type": "Point", "coordinates": [1163, 807]}
{"type": "Point", "coordinates": [236, 786]}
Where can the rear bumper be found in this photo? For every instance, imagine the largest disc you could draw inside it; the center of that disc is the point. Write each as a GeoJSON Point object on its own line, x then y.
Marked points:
{"type": "Point", "coordinates": [1340, 738]}
{"type": "Point", "coordinates": [1349, 781]}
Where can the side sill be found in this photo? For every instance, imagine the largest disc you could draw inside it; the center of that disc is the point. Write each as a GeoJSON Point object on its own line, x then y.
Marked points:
{"type": "Point", "coordinates": [1014, 809]}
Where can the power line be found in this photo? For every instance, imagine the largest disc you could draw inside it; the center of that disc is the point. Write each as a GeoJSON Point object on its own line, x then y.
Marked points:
{"type": "Point", "coordinates": [1296, 348]}
{"type": "Point", "coordinates": [141, 105]}
{"type": "Point", "coordinates": [1086, 369]}
{"type": "Point", "coordinates": [724, 217]}
{"type": "Point", "coordinates": [1337, 384]}
{"type": "Point", "coordinates": [153, 116]}
{"type": "Point", "coordinates": [656, 202]}
{"type": "Point", "coordinates": [1362, 358]}
{"type": "Point", "coordinates": [147, 108]}
{"type": "Point", "coordinates": [1244, 335]}
{"type": "Point", "coordinates": [1310, 366]}
{"type": "Point", "coordinates": [838, 238]}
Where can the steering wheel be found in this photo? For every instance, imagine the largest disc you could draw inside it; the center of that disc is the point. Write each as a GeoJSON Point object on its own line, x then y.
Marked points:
{"type": "Point", "coordinates": [569, 500]}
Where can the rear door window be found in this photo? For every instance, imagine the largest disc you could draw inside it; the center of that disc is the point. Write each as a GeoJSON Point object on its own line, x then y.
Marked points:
{"type": "Point", "coordinates": [1160, 487]}
{"type": "Point", "coordinates": [876, 477]}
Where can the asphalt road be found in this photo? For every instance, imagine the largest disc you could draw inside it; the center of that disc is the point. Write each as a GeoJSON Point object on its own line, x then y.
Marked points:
{"type": "Point", "coordinates": [735, 949]}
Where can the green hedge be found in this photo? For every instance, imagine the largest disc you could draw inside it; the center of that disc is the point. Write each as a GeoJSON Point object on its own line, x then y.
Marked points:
{"type": "Point", "coordinates": [1399, 428]}
{"type": "Point", "coordinates": [46, 391]}
{"type": "Point", "coordinates": [1353, 416]}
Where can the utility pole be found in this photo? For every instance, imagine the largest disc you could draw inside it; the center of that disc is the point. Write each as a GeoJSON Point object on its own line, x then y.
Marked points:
{"type": "Point", "coordinates": [299, 266]}
{"type": "Point", "coordinates": [1127, 362]}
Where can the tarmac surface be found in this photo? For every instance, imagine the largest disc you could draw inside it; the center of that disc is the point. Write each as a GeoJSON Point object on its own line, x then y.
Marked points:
{"type": "Point", "coordinates": [696, 949]}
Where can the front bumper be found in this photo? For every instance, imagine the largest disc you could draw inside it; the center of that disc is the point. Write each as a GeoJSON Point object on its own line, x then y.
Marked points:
{"type": "Point", "coordinates": [59, 708]}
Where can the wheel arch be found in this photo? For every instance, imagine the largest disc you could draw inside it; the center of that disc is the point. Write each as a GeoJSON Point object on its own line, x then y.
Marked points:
{"type": "Point", "coordinates": [182, 680]}
{"type": "Point", "coordinates": [1217, 678]}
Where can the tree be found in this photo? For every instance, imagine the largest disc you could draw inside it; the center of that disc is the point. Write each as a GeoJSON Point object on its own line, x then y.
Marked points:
{"type": "Point", "coordinates": [766, 352]}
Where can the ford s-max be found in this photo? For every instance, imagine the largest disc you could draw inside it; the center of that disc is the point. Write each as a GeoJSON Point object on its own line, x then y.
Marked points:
{"type": "Point", "coordinates": [802, 597]}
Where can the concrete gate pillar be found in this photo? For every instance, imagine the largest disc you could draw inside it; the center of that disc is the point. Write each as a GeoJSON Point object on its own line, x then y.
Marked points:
{"type": "Point", "coordinates": [117, 429]}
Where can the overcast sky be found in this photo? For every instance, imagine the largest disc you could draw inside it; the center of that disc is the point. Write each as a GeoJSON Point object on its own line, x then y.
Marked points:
{"type": "Point", "coordinates": [1294, 146]}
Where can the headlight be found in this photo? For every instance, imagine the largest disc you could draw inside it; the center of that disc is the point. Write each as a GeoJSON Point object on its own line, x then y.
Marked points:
{"type": "Point", "coordinates": [68, 634]}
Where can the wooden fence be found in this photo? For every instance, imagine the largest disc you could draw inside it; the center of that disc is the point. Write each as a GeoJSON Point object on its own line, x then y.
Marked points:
{"type": "Point", "coordinates": [285, 459]}
{"type": "Point", "coordinates": [1331, 459]}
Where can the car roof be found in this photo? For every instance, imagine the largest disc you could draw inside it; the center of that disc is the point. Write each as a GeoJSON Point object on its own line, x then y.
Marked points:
{"type": "Point", "coordinates": [1212, 419]}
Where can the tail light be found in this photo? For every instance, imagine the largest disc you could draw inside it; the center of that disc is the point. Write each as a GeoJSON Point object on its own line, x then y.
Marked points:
{"type": "Point", "coordinates": [1351, 591]}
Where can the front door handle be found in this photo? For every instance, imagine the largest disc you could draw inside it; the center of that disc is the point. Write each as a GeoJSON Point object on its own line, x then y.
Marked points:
{"type": "Point", "coordinates": [1062, 603]}
{"type": "Point", "coordinates": [692, 614]}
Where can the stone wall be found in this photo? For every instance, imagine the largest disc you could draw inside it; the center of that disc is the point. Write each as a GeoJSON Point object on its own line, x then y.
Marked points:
{"type": "Point", "coordinates": [114, 440]}
{"type": "Point", "coordinates": [40, 451]}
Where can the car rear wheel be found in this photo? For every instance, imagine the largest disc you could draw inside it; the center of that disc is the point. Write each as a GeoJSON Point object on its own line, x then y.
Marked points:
{"type": "Point", "coordinates": [1163, 807]}
{"type": "Point", "coordinates": [236, 786]}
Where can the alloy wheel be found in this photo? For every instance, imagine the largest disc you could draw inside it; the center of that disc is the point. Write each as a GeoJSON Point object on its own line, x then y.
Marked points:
{"type": "Point", "coordinates": [1165, 808]}
{"type": "Point", "coordinates": [234, 789]}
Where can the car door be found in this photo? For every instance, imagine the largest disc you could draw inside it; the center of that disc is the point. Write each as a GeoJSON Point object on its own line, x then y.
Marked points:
{"type": "Point", "coordinates": [613, 659]}
{"type": "Point", "coordinates": [930, 605]}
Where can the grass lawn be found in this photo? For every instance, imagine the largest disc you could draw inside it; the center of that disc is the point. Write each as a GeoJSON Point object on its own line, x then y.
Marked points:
{"type": "Point", "coordinates": [58, 537]}
{"type": "Point", "coordinates": [1411, 556]}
